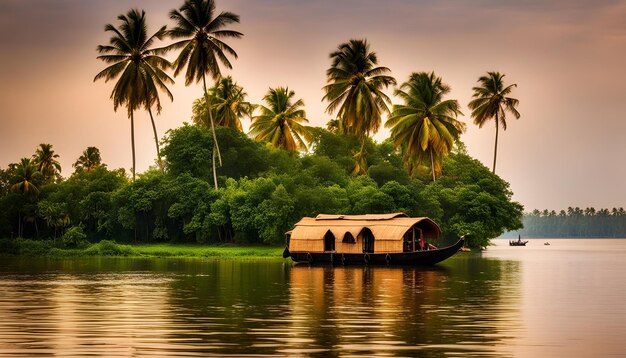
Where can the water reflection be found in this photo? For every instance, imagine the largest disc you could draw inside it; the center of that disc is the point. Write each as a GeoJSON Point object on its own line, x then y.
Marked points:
{"type": "Point", "coordinates": [131, 307]}
{"type": "Point", "coordinates": [378, 310]}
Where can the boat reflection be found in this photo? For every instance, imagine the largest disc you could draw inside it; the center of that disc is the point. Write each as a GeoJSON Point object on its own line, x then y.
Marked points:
{"type": "Point", "coordinates": [377, 310]}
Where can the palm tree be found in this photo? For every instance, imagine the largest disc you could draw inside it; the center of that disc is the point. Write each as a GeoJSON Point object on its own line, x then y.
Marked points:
{"type": "Point", "coordinates": [280, 123]}
{"type": "Point", "coordinates": [139, 68]}
{"type": "Point", "coordinates": [334, 126]}
{"type": "Point", "coordinates": [228, 103]}
{"type": "Point", "coordinates": [425, 125]}
{"type": "Point", "coordinates": [491, 101]}
{"type": "Point", "coordinates": [25, 176]}
{"type": "Point", "coordinates": [46, 161]}
{"type": "Point", "coordinates": [202, 49]}
{"type": "Point", "coordinates": [354, 89]}
{"type": "Point", "coordinates": [89, 160]}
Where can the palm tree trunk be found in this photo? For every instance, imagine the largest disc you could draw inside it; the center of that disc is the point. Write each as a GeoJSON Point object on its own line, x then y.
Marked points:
{"type": "Point", "coordinates": [360, 160]}
{"type": "Point", "coordinates": [214, 171]}
{"type": "Point", "coordinates": [495, 150]}
{"type": "Point", "coordinates": [432, 164]}
{"type": "Point", "coordinates": [132, 139]}
{"type": "Point", "coordinates": [156, 140]}
{"type": "Point", "coordinates": [216, 146]}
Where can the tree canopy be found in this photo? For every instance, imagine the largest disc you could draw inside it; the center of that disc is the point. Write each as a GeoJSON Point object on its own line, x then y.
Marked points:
{"type": "Point", "coordinates": [262, 193]}
{"type": "Point", "coordinates": [425, 127]}
{"type": "Point", "coordinates": [281, 120]}
{"type": "Point", "coordinates": [491, 100]}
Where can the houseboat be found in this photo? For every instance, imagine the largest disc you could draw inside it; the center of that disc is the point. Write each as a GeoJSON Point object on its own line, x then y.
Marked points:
{"type": "Point", "coordinates": [392, 239]}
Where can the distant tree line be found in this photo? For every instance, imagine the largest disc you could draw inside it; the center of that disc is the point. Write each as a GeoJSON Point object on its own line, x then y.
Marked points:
{"type": "Point", "coordinates": [574, 222]}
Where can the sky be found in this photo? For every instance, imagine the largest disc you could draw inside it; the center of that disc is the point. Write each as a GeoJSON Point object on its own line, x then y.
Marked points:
{"type": "Point", "coordinates": [567, 58]}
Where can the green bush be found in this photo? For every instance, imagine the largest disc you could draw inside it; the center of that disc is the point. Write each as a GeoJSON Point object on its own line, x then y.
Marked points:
{"type": "Point", "coordinates": [110, 248]}
{"type": "Point", "coordinates": [27, 247]}
{"type": "Point", "coordinates": [74, 237]}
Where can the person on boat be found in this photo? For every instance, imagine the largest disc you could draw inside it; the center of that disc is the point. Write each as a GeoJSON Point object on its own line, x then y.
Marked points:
{"type": "Point", "coordinates": [408, 245]}
{"type": "Point", "coordinates": [422, 244]}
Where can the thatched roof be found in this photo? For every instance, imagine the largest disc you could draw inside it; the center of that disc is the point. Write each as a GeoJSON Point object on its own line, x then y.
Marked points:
{"type": "Point", "coordinates": [360, 217]}
{"type": "Point", "coordinates": [383, 226]}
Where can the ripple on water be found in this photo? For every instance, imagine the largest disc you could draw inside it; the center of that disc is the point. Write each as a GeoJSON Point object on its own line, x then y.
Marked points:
{"type": "Point", "coordinates": [472, 306]}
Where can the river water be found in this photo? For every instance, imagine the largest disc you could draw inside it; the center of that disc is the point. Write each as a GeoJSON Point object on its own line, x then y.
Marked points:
{"type": "Point", "coordinates": [563, 300]}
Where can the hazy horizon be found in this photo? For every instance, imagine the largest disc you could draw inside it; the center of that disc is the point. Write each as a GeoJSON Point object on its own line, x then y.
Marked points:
{"type": "Point", "coordinates": [567, 59]}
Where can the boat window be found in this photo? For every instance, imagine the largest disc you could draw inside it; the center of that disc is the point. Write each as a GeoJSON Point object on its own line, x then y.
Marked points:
{"type": "Point", "coordinates": [348, 239]}
{"type": "Point", "coordinates": [408, 244]}
{"type": "Point", "coordinates": [329, 241]}
{"type": "Point", "coordinates": [368, 241]}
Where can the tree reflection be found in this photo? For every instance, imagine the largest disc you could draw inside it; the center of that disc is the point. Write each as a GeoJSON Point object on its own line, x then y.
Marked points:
{"type": "Point", "coordinates": [375, 310]}
{"type": "Point", "coordinates": [469, 306]}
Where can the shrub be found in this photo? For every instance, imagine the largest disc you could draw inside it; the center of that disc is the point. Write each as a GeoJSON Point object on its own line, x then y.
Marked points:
{"type": "Point", "coordinates": [110, 248]}
{"type": "Point", "coordinates": [74, 237]}
{"type": "Point", "coordinates": [26, 247]}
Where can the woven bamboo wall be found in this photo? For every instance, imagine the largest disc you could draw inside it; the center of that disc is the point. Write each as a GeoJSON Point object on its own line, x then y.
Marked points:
{"type": "Point", "coordinates": [306, 245]}
{"type": "Point", "coordinates": [345, 248]}
{"type": "Point", "coordinates": [380, 246]}
{"type": "Point", "coordinates": [385, 246]}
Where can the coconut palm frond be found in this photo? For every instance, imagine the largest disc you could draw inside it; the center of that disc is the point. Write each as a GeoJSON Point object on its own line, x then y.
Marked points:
{"type": "Point", "coordinates": [280, 121]}
{"type": "Point", "coordinates": [425, 127]}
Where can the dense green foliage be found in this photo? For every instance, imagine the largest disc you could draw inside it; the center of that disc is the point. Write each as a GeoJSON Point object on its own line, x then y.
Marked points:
{"type": "Point", "coordinates": [574, 222]}
{"type": "Point", "coordinates": [263, 192]}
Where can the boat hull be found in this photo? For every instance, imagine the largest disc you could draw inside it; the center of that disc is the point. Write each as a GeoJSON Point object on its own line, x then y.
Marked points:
{"type": "Point", "coordinates": [417, 258]}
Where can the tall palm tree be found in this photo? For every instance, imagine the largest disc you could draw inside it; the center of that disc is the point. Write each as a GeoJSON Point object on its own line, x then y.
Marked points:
{"type": "Point", "coordinates": [25, 177]}
{"type": "Point", "coordinates": [228, 103]}
{"type": "Point", "coordinates": [200, 33]}
{"type": "Point", "coordinates": [140, 69]}
{"type": "Point", "coordinates": [89, 160]}
{"type": "Point", "coordinates": [426, 124]}
{"type": "Point", "coordinates": [46, 161]}
{"type": "Point", "coordinates": [491, 101]}
{"type": "Point", "coordinates": [354, 89]}
{"type": "Point", "coordinates": [280, 122]}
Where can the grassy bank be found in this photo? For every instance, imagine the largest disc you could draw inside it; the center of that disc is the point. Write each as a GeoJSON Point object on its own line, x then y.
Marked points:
{"type": "Point", "coordinates": [51, 248]}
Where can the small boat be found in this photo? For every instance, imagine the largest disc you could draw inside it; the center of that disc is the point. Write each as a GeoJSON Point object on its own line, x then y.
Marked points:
{"type": "Point", "coordinates": [376, 239]}
{"type": "Point", "coordinates": [519, 242]}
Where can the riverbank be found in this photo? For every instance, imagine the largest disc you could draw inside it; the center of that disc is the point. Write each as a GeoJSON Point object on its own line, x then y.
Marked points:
{"type": "Point", "coordinates": [51, 248]}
